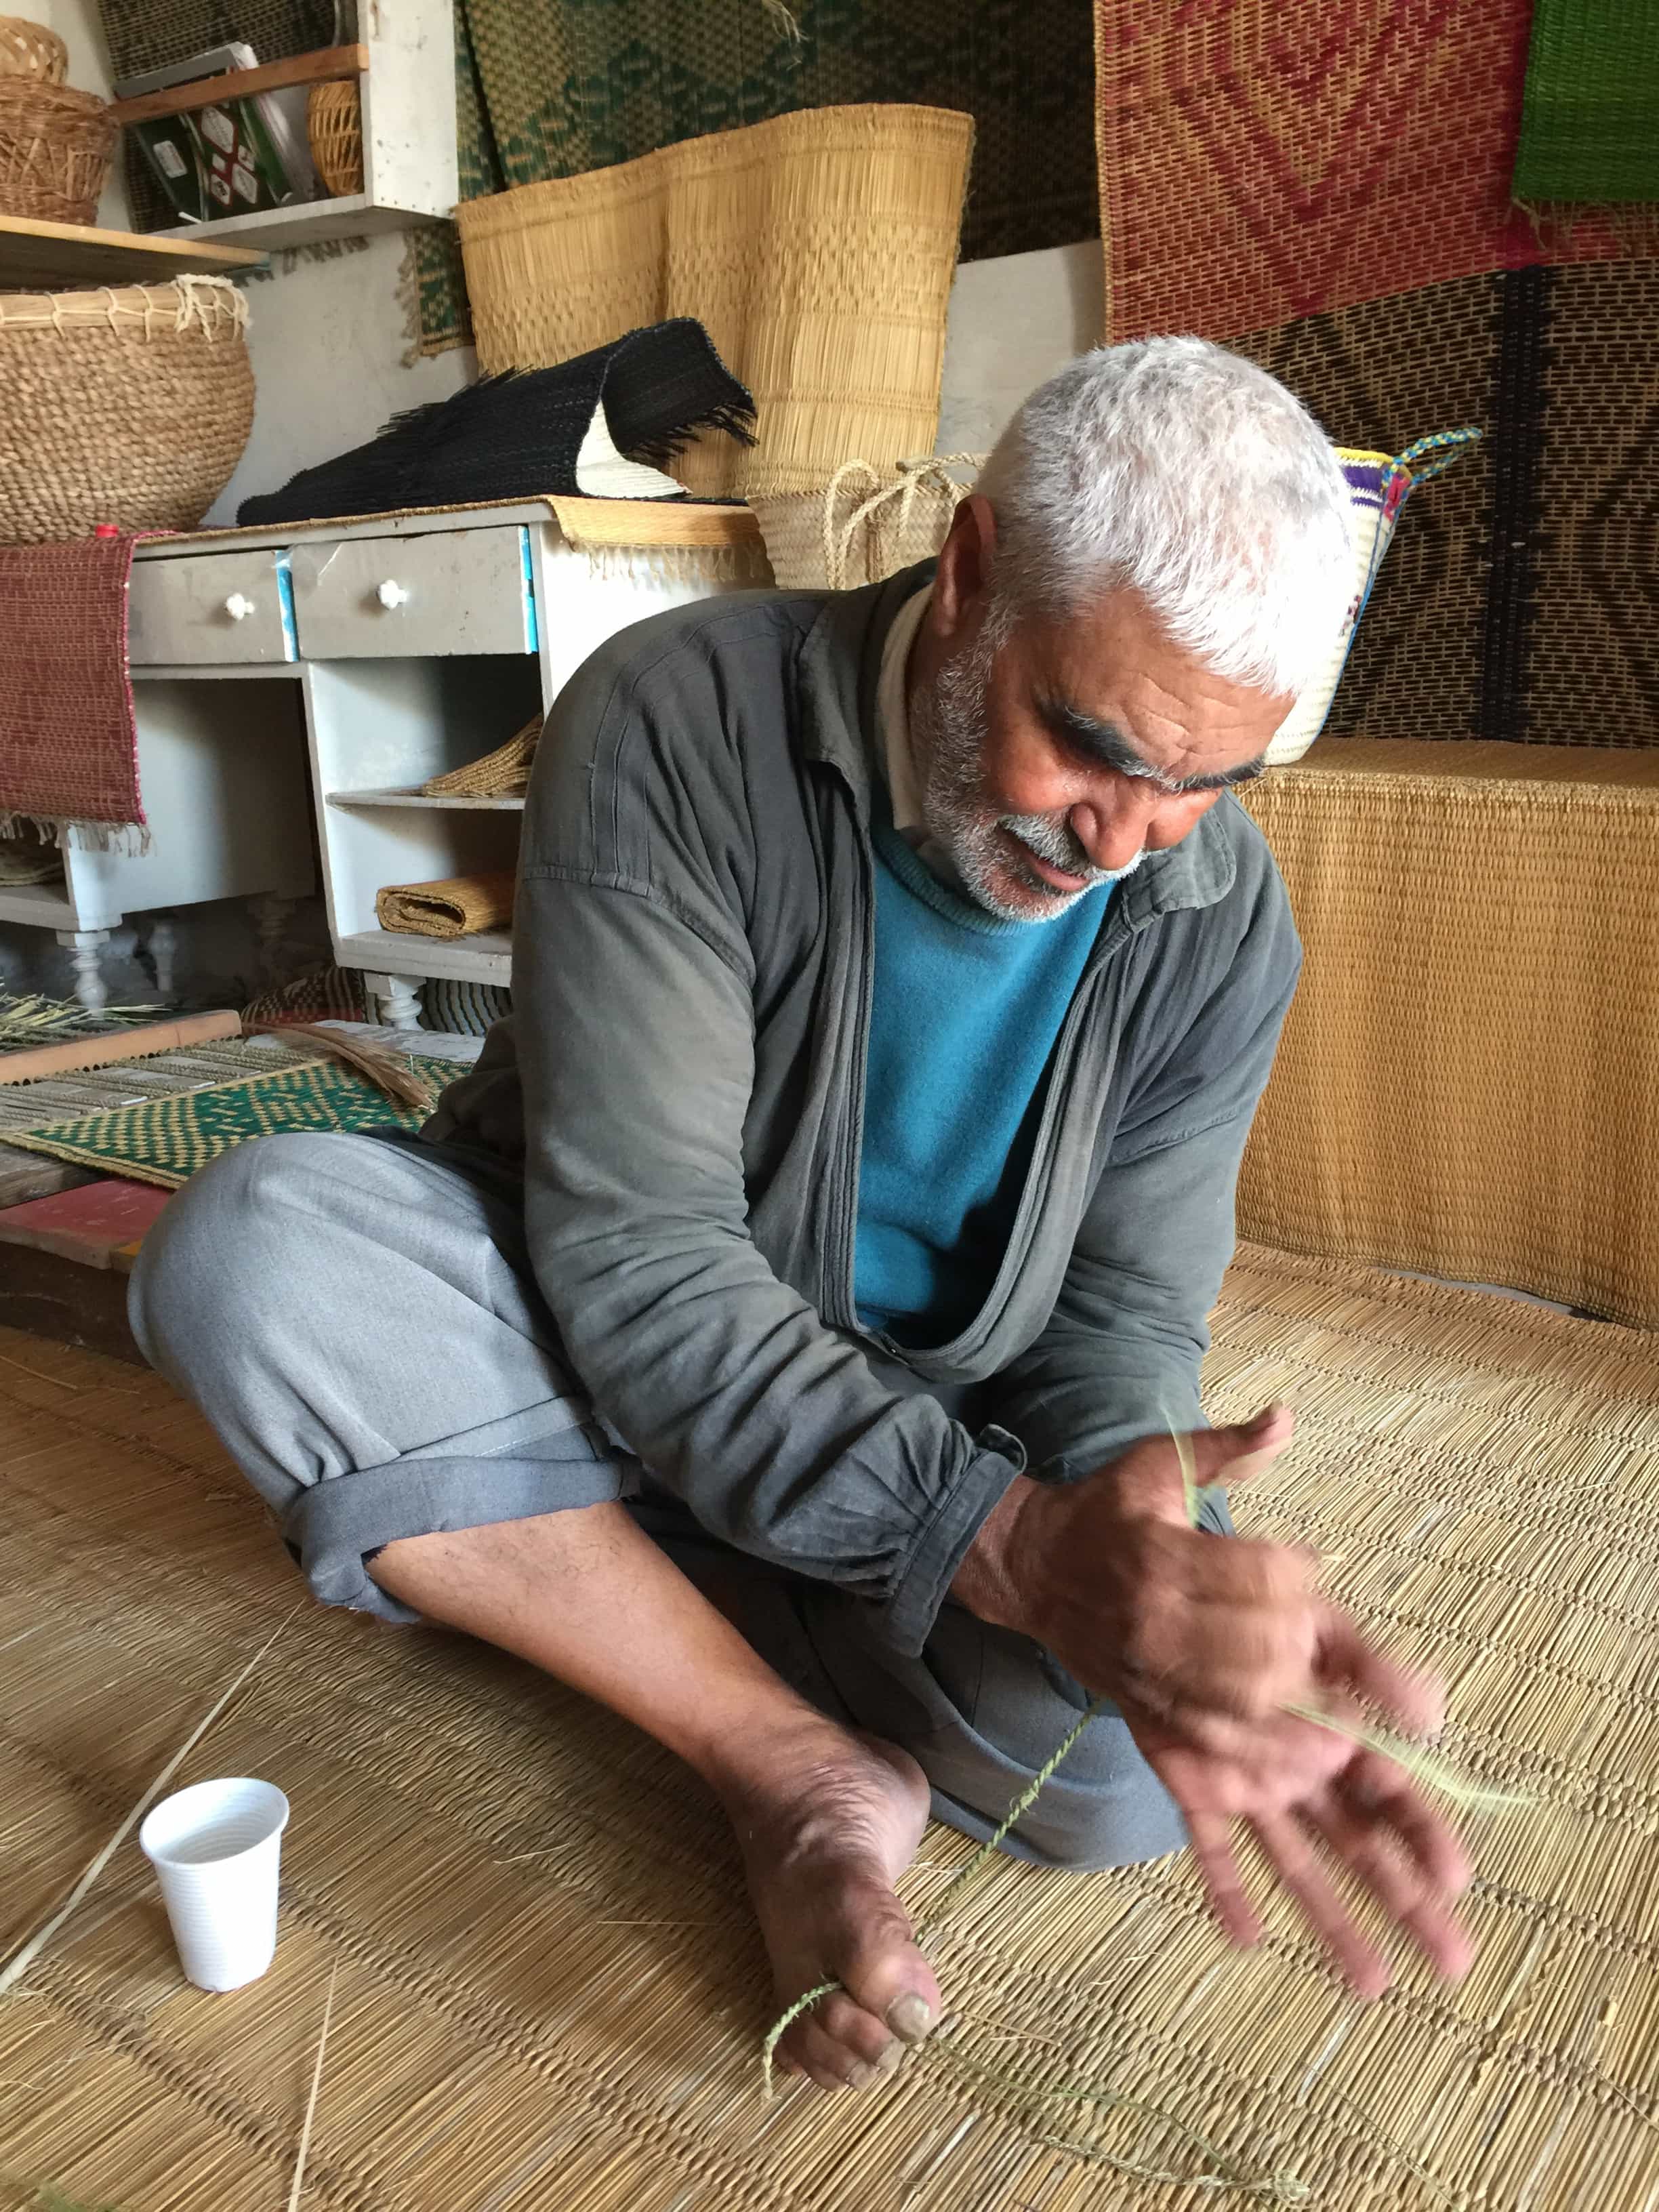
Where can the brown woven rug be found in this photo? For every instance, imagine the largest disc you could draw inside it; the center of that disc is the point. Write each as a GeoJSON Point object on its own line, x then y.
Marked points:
{"type": "Point", "coordinates": [550, 1997]}
{"type": "Point", "coordinates": [68, 752]}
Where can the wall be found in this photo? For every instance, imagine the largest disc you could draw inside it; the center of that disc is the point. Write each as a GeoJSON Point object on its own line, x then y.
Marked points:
{"type": "Point", "coordinates": [76, 24]}
{"type": "Point", "coordinates": [327, 336]}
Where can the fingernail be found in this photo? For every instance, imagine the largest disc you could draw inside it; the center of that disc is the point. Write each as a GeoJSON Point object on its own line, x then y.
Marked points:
{"type": "Point", "coordinates": [891, 2058]}
{"type": "Point", "coordinates": [860, 2076]}
{"type": "Point", "coordinates": [910, 2016]}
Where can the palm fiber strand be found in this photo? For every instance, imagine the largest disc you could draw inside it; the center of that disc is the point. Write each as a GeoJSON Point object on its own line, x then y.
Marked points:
{"type": "Point", "coordinates": [454, 906]}
{"type": "Point", "coordinates": [553, 1990]}
{"type": "Point", "coordinates": [853, 214]}
{"type": "Point", "coordinates": [1589, 123]}
{"type": "Point", "coordinates": [1467, 1077]}
{"type": "Point", "coordinates": [1261, 159]}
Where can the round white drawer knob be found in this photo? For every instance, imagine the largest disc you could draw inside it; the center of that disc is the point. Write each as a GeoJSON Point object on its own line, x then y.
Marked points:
{"type": "Point", "coordinates": [390, 594]}
{"type": "Point", "coordinates": [238, 607]}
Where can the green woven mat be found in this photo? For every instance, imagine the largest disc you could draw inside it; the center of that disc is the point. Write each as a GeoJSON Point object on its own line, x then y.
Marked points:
{"type": "Point", "coordinates": [1589, 127]}
{"type": "Point", "coordinates": [555, 87]}
{"type": "Point", "coordinates": [167, 1140]}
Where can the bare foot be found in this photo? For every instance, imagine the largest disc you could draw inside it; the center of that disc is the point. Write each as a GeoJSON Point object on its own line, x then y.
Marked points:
{"type": "Point", "coordinates": [828, 1821]}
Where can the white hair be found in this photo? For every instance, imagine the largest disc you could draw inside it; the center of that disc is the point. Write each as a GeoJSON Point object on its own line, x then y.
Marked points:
{"type": "Point", "coordinates": [1185, 472]}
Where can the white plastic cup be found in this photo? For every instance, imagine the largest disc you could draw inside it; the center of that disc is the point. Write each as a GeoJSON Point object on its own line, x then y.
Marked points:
{"type": "Point", "coordinates": [215, 1848]}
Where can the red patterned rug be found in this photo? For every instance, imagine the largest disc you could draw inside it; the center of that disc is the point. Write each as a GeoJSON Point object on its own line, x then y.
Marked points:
{"type": "Point", "coordinates": [68, 750]}
{"type": "Point", "coordinates": [1261, 159]}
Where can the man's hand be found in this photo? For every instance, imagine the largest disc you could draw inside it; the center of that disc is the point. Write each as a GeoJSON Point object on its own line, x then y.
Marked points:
{"type": "Point", "coordinates": [1201, 1645]}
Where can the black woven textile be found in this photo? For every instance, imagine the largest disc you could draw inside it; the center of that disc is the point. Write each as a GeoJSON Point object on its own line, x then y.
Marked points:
{"type": "Point", "coordinates": [517, 435]}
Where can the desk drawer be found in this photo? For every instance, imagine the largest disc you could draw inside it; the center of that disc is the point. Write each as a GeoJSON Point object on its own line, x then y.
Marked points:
{"type": "Point", "coordinates": [448, 591]}
{"type": "Point", "coordinates": [206, 607]}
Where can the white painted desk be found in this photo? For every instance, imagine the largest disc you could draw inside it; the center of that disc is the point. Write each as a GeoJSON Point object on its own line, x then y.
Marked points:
{"type": "Point", "coordinates": [388, 652]}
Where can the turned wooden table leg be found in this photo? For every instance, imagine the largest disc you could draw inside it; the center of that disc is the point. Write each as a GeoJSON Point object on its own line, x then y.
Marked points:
{"type": "Point", "coordinates": [272, 912]}
{"type": "Point", "coordinates": [84, 946]}
{"type": "Point", "coordinates": [162, 946]}
{"type": "Point", "coordinates": [396, 999]}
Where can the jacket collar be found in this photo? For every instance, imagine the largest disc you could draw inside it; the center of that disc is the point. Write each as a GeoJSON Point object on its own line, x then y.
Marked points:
{"type": "Point", "coordinates": [841, 667]}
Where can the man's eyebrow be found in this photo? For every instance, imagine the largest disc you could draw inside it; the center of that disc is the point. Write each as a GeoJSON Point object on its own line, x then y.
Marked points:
{"type": "Point", "coordinates": [1107, 743]}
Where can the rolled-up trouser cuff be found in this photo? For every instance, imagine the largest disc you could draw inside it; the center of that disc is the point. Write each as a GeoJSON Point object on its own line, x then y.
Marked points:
{"type": "Point", "coordinates": [336, 1526]}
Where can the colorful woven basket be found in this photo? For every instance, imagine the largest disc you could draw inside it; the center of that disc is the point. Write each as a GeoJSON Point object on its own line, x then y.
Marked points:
{"type": "Point", "coordinates": [130, 406]}
{"type": "Point", "coordinates": [1378, 486]}
{"type": "Point", "coordinates": [55, 148]}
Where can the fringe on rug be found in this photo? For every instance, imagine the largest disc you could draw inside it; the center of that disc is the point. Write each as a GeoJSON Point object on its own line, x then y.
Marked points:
{"type": "Point", "coordinates": [129, 840]}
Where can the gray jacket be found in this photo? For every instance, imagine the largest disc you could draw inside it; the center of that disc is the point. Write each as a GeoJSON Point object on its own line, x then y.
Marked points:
{"type": "Point", "coordinates": [682, 1081]}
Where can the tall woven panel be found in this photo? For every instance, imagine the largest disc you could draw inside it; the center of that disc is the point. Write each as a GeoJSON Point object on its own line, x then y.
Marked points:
{"type": "Point", "coordinates": [1265, 159]}
{"type": "Point", "coordinates": [1468, 1082]}
{"type": "Point", "coordinates": [549, 1995]}
{"type": "Point", "coordinates": [1328, 190]}
{"type": "Point", "coordinates": [1589, 129]}
{"type": "Point", "coordinates": [555, 87]}
{"type": "Point", "coordinates": [817, 250]}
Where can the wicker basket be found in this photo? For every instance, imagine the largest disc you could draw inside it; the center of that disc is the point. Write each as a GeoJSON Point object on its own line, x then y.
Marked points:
{"type": "Point", "coordinates": [55, 148]}
{"type": "Point", "coordinates": [130, 406]}
{"type": "Point", "coordinates": [334, 125]}
{"type": "Point", "coordinates": [30, 50]}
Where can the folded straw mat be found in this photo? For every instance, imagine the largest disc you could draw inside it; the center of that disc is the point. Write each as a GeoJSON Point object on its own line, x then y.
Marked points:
{"type": "Point", "coordinates": [551, 1994]}
{"type": "Point", "coordinates": [1467, 1077]}
{"type": "Point", "coordinates": [504, 773]}
{"type": "Point", "coordinates": [455, 905]}
{"type": "Point", "coordinates": [817, 249]}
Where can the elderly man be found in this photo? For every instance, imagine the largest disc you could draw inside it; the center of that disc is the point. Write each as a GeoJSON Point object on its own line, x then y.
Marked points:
{"type": "Point", "coordinates": [777, 1337]}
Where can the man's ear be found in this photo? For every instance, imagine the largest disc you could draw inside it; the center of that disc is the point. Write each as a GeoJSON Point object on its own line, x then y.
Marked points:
{"type": "Point", "coordinates": [962, 583]}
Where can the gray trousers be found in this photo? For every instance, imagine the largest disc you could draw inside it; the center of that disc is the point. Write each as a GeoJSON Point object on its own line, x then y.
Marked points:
{"type": "Point", "coordinates": [358, 1319]}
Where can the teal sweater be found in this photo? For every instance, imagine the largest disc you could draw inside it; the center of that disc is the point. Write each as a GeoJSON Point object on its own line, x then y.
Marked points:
{"type": "Point", "coordinates": [966, 1012]}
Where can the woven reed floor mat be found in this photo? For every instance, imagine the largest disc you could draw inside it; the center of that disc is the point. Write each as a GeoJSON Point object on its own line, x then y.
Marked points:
{"type": "Point", "coordinates": [549, 1995]}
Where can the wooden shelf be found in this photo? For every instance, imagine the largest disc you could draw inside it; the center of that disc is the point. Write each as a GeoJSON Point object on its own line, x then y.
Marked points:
{"type": "Point", "coordinates": [485, 957]}
{"type": "Point", "coordinates": [53, 255]}
{"type": "Point", "coordinates": [327, 65]}
{"type": "Point", "coordinates": [356, 215]}
{"type": "Point", "coordinates": [393, 798]}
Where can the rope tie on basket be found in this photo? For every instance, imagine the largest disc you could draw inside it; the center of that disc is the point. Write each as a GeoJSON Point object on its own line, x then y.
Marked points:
{"type": "Point", "coordinates": [932, 470]}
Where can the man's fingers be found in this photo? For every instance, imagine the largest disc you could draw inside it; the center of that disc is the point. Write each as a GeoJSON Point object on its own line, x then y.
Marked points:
{"type": "Point", "coordinates": [1416, 1701]}
{"type": "Point", "coordinates": [1396, 1878]}
{"type": "Point", "coordinates": [1242, 1450]}
{"type": "Point", "coordinates": [1379, 1787]}
{"type": "Point", "coordinates": [1361, 1964]}
{"type": "Point", "coordinates": [1211, 1840]}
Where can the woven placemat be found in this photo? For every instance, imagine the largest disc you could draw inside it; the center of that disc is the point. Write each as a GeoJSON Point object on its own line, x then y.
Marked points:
{"type": "Point", "coordinates": [550, 1998]}
{"type": "Point", "coordinates": [168, 1139]}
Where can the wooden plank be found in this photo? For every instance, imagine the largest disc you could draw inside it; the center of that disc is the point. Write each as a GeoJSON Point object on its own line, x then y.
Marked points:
{"type": "Point", "coordinates": [55, 255]}
{"type": "Point", "coordinates": [87, 1224]}
{"type": "Point", "coordinates": [326, 65]}
{"type": "Point", "coordinates": [52, 1296]}
{"type": "Point", "coordinates": [24, 1175]}
{"type": "Point", "coordinates": [34, 1061]}
{"type": "Point", "coordinates": [651, 522]}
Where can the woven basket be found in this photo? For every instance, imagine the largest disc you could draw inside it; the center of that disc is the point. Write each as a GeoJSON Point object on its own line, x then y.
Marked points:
{"type": "Point", "coordinates": [865, 523]}
{"type": "Point", "coordinates": [334, 125]}
{"type": "Point", "coordinates": [55, 148]}
{"type": "Point", "coordinates": [30, 50]}
{"type": "Point", "coordinates": [817, 249]}
{"type": "Point", "coordinates": [129, 406]}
